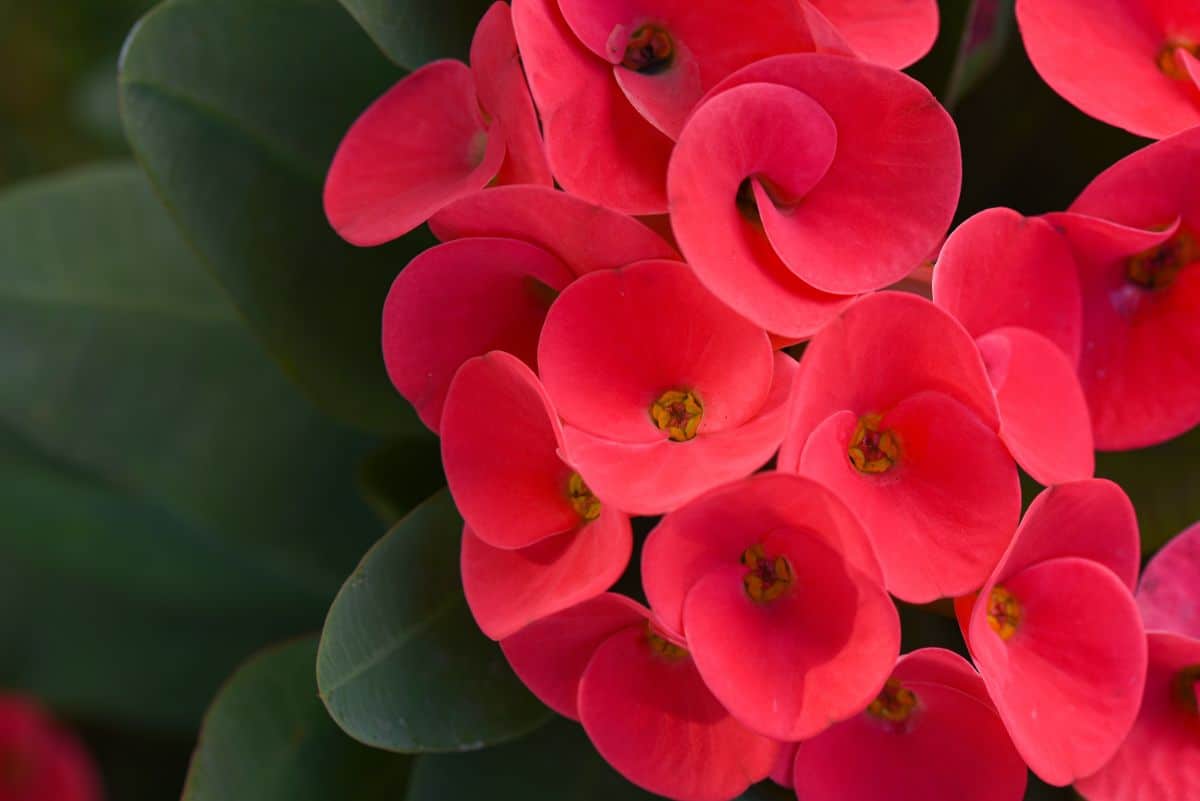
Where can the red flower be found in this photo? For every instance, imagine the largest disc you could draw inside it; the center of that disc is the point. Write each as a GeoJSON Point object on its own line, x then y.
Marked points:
{"type": "Point", "coordinates": [536, 539]}
{"type": "Point", "coordinates": [1131, 63]}
{"type": "Point", "coordinates": [893, 411]}
{"type": "Point", "coordinates": [508, 253]}
{"type": "Point", "coordinates": [773, 583]}
{"type": "Point", "coordinates": [1011, 281]}
{"type": "Point", "coordinates": [664, 392]}
{"type": "Point", "coordinates": [805, 179]}
{"type": "Point", "coordinates": [39, 760]}
{"type": "Point", "coordinates": [1139, 270]}
{"type": "Point", "coordinates": [636, 690]}
{"type": "Point", "coordinates": [932, 734]}
{"type": "Point", "coordinates": [440, 133]}
{"type": "Point", "coordinates": [614, 81]}
{"type": "Point", "coordinates": [894, 33]}
{"type": "Point", "coordinates": [1158, 760]}
{"type": "Point", "coordinates": [1056, 634]}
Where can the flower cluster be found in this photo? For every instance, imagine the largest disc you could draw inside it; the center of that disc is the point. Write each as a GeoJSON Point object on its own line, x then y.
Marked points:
{"type": "Point", "coordinates": [644, 208]}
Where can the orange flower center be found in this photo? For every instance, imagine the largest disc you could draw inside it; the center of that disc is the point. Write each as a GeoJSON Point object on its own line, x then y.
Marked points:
{"type": "Point", "coordinates": [678, 412]}
{"type": "Point", "coordinates": [871, 449]}
{"type": "Point", "coordinates": [1003, 612]}
{"type": "Point", "coordinates": [894, 703]}
{"type": "Point", "coordinates": [650, 50]}
{"type": "Point", "coordinates": [1166, 58]}
{"type": "Point", "coordinates": [582, 499]}
{"type": "Point", "coordinates": [766, 578]}
{"type": "Point", "coordinates": [1158, 267]}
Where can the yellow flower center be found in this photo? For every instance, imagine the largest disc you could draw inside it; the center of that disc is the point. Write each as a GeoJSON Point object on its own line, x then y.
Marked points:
{"type": "Point", "coordinates": [582, 499]}
{"type": "Point", "coordinates": [663, 646]}
{"type": "Point", "coordinates": [766, 578]}
{"type": "Point", "coordinates": [1166, 58]}
{"type": "Point", "coordinates": [650, 50]}
{"type": "Point", "coordinates": [872, 450]}
{"type": "Point", "coordinates": [1003, 612]}
{"type": "Point", "coordinates": [894, 703]}
{"type": "Point", "coordinates": [1158, 267]}
{"type": "Point", "coordinates": [677, 412]}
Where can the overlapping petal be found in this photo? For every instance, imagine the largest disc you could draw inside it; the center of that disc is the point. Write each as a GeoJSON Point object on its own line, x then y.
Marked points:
{"type": "Point", "coordinates": [789, 662]}
{"type": "Point", "coordinates": [894, 33]}
{"type": "Point", "coordinates": [1167, 594]}
{"type": "Point", "coordinates": [463, 299]}
{"type": "Point", "coordinates": [932, 736]}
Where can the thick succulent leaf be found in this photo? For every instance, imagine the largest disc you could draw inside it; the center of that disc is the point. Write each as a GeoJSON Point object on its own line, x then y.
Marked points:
{"type": "Point", "coordinates": [402, 665]}
{"type": "Point", "coordinates": [266, 737]}
{"type": "Point", "coordinates": [235, 108]}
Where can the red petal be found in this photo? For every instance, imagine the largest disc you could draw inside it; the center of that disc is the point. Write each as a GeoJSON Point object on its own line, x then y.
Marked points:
{"type": "Point", "coordinates": [1167, 595]}
{"type": "Point", "coordinates": [459, 300]}
{"type": "Point", "coordinates": [1068, 683]}
{"type": "Point", "coordinates": [941, 666]}
{"type": "Point", "coordinates": [891, 191]}
{"type": "Point", "coordinates": [894, 33]}
{"type": "Point", "coordinates": [418, 147]}
{"type": "Point", "coordinates": [1102, 56]}
{"type": "Point", "coordinates": [650, 479]}
{"type": "Point", "coordinates": [496, 65]}
{"type": "Point", "coordinates": [583, 236]}
{"type": "Point", "coordinates": [500, 443]}
{"type": "Point", "coordinates": [884, 348]}
{"type": "Point", "coordinates": [1091, 519]}
{"type": "Point", "coordinates": [599, 147]}
{"type": "Point", "coordinates": [508, 590]}
{"type": "Point", "coordinates": [551, 655]}
{"type": "Point", "coordinates": [1002, 269]}
{"type": "Point", "coordinates": [1157, 762]}
{"type": "Point", "coordinates": [614, 341]}
{"type": "Point", "coordinates": [1044, 417]}
{"type": "Point", "coordinates": [654, 721]}
{"type": "Point", "coordinates": [942, 516]}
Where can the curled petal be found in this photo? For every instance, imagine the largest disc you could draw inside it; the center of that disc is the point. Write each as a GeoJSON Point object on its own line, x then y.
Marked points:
{"type": "Point", "coordinates": [1044, 417]}
{"type": "Point", "coordinates": [653, 478]}
{"type": "Point", "coordinates": [943, 514]}
{"type": "Point", "coordinates": [615, 341]}
{"type": "Point", "coordinates": [1001, 269]}
{"type": "Point", "coordinates": [1167, 595]}
{"type": "Point", "coordinates": [509, 589]}
{"type": "Point", "coordinates": [459, 300]}
{"type": "Point", "coordinates": [1068, 681]}
{"type": "Point", "coordinates": [583, 236]}
{"type": "Point", "coordinates": [551, 654]}
{"type": "Point", "coordinates": [418, 147]}
{"type": "Point", "coordinates": [654, 720]}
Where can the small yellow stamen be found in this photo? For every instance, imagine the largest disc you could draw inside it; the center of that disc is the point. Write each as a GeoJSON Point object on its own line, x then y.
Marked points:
{"type": "Point", "coordinates": [872, 450]}
{"type": "Point", "coordinates": [894, 703]}
{"type": "Point", "coordinates": [766, 579]}
{"type": "Point", "coordinates": [650, 50]}
{"type": "Point", "coordinates": [582, 499]}
{"type": "Point", "coordinates": [662, 646]}
{"type": "Point", "coordinates": [1003, 612]}
{"type": "Point", "coordinates": [1166, 58]}
{"type": "Point", "coordinates": [1158, 267]}
{"type": "Point", "coordinates": [677, 412]}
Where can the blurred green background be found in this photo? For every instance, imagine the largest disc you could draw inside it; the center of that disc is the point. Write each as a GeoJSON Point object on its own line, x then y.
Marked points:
{"type": "Point", "coordinates": [1023, 147]}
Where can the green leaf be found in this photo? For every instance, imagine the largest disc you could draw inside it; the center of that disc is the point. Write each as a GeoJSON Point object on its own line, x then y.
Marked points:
{"type": "Point", "coordinates": [557, 763]}
{"type": "Point", "coordinates": [171, 502]}
{"type": "Point", "coordinates": [399, 475]}
{"type": "Point", "coordinates": [235, 108]}
{"type": "Point", "coordinates": [985, 34]}
{"type": "Point", "coordinates": [267, 738]}
{"type": "Point", "coordinates": [413, 32]}
{"type": "Point", "coordinates": [402, 665]}
{"type": "Point", "coordinates": [1161, 481]}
